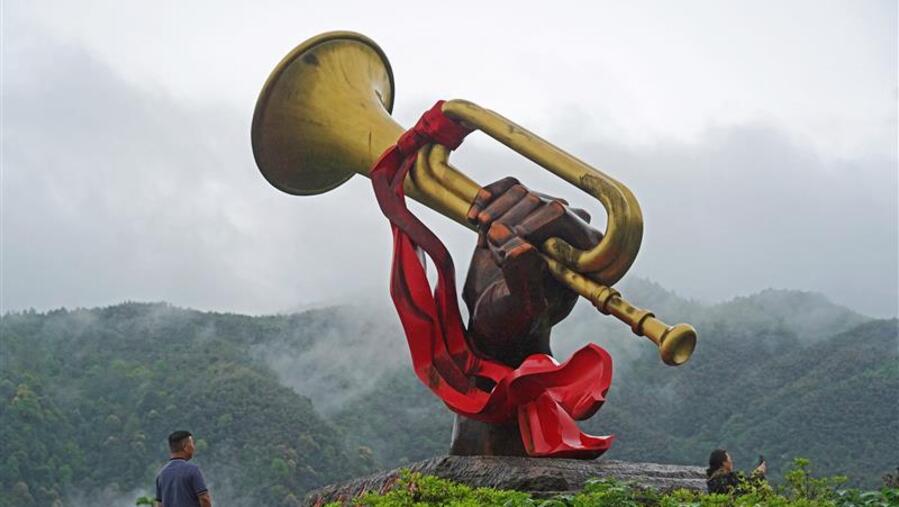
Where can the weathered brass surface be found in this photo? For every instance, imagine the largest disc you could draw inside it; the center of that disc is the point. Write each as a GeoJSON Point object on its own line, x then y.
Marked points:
{"type": "Point", "coordinates": [313, 127]}
{"type": "Point", "coordinates": [676, 343]}
{"type": "Point", "coordinates": [611, 258]}
{"type": "Point", "coordinates": [324, 115]}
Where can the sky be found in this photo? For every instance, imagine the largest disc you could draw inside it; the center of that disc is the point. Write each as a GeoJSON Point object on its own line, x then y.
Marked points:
{"type": "Point", "coordinates": [759, 137]}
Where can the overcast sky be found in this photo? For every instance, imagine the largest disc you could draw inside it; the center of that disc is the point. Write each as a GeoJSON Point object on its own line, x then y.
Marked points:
{"type": "Point", "coordinates": [759, 137]}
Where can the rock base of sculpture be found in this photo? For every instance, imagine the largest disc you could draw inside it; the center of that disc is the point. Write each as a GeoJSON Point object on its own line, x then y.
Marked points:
{"type": "Point", "coordinates": [541, 477]}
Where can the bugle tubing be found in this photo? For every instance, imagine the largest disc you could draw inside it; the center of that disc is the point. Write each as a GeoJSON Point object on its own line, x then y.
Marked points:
{"type": "Point", "coordinates": [324, 114]}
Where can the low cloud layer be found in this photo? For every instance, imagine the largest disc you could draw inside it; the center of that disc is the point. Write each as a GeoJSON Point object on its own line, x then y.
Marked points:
{"type": "Point", "coordinates": [114, 192]}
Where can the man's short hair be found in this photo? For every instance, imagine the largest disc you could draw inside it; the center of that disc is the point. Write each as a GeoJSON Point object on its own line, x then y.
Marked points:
{"type": "Point", "coordinates": [177, 440]}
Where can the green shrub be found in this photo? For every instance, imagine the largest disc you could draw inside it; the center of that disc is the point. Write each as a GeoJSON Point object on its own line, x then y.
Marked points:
{"type": "Point", "coordinates": [801, 489]}
{"type": "Point", "coordinates": [415, 489]}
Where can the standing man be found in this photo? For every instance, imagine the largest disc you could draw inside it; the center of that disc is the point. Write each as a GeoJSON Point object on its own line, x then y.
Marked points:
{"type": "Point", "coordinates": [179, 483]}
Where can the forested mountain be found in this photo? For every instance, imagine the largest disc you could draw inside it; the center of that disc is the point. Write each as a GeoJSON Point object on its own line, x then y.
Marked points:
{"type": "Point", "coordinates": [90, 395]}
{"type": "Point", "coordinates": [752, 386]}
{"type": "Point", "coordinates": [282, 404]}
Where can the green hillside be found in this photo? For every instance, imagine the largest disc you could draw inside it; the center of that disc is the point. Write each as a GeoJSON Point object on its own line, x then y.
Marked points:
{"type": "Point", "coordinates": [89, 397]}
{"type": "Point", "coordinates": [282, 404]}
{"type": "Point", "coordinates": [763, 392]}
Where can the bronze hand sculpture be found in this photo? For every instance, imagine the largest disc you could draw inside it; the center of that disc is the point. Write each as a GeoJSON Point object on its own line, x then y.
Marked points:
{"type": "Point", "coordinates": [512, 299]}
{"type": "Point", "coordinates": [324, 115]}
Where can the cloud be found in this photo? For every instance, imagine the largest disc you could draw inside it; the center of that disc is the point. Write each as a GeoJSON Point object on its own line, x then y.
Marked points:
{"type": "Point", "coordinates": [352, 347]}
{"type": "Point", "coordinates": [749, 208]}
{"type": "Point", "coordinates": [114, 191]}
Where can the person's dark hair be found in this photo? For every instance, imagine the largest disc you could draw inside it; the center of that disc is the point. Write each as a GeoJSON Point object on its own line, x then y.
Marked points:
{"type": "Point", "coordinates": [177, 440]}
{"type": "Point", "coordinates": [716, 459]}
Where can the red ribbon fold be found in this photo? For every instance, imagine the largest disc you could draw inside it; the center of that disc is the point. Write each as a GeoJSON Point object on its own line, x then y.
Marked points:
{"type": "Point", "coordinates": [547, 397]}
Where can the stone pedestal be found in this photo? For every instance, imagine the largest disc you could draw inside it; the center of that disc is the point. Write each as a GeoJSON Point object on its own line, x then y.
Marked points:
{"type": "Point", "coordinates": [539, 476]}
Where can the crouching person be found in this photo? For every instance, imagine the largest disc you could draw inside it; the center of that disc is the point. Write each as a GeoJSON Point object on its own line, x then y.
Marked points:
{"type": "Point", "coordinates": [722, 478]}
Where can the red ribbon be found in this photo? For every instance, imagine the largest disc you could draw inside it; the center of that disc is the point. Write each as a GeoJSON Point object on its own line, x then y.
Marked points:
{"type": "Point", "coordinates": [547, 397]}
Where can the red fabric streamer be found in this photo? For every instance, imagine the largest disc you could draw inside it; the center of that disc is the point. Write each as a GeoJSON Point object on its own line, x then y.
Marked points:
{"type": "Point", "coordinates": [547, 397]}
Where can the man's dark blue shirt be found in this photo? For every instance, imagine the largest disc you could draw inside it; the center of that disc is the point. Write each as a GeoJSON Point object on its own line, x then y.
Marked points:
{"type": "Point", "coordinates": [179, 484]}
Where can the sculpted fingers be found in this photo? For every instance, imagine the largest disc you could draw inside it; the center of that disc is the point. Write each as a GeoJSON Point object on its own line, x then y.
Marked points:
{"type": "Point", "coordinates": [557, 220]}
{"type": "Point", "coordinates": [522, 267]}
{"type": "Point", "coordinates": [582, 214]}
{"type": "Point", "coordinates": [542, 223]}
{"type": "Point", "coordinates": [505, 244]}
{"type": "Point", "coordinates": [530, 214]}
{"type": "Point", "coordinates": [522, 208]}
{"type": "Point", "coordinates": [522, 213]}
{"type": "Point", "coordinates": [550, 198]}
{"type": "Point", "coordinates": [487, 194]}
{"type": "Point", "coordinates": [510, 198]}
{"type": "Point", "coordinates": [577, 231]}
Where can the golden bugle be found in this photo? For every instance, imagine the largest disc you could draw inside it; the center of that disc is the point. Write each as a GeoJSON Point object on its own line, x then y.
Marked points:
{"type": "Point", "coordinates": [324, 115]}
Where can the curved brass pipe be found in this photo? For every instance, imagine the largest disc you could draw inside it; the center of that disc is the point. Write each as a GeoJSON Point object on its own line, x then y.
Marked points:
{"type": "Point", "coordinates": [324, 114]}
{"type": "Point", "coordinates": [608, 261]}
{"type": "Point", "coordinates": [433, 175]}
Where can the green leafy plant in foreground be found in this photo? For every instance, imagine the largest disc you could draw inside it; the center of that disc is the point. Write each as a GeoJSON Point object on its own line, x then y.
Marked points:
{"type": "Point", "coordinates": [415, 489]}
{"type": "Point", "coordinates": [801, 489]}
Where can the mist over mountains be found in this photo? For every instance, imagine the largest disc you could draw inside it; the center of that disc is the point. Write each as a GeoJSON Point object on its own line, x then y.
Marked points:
{"type": "Point", "coordinates": [282, 404]}
{"type": "Point", "coordinates": [763, 152]}
{"type": "Point", "coordinates": [150, 197]}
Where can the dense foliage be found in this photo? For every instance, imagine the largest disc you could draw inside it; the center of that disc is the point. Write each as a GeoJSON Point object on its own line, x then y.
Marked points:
{"type": "Point", "coordinates": [800, 489]}
{"type": "Point", "coordinates": [759, 391]}
{"type": "Point", "coordinates": [283, 404]}
{"type": "Point", "coordinates": [89, 397]}
{"type": "Point", "coordinates": [760, 382]}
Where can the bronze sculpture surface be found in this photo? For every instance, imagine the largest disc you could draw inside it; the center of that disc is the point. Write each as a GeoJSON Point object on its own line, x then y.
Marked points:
{"type": "Point", "coordinates": [512, 299]}
{"type": "Point", "coordinates": [324, 114]}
